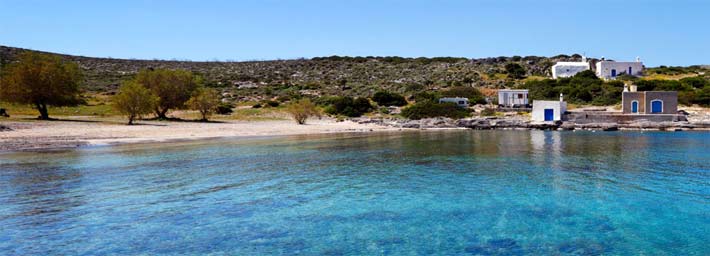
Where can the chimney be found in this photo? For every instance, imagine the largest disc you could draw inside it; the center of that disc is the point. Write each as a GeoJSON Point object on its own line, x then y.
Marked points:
{"type": "Point", "coordinates": [626, 87]}
{"type": "Point", "coordinates": [561, 98]}
{"type": "Point", "coordinates": [633, 88]}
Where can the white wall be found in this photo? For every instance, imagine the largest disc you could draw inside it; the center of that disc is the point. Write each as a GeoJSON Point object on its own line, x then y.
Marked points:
{"type": "Point", "coordinates": [568, 70]}
{"type": "Point", "coordinates": [539, 106]}
{"type": "Point", "coordinates": [510, 97]}
{"type": "Point", "coordinates": [604, 68]}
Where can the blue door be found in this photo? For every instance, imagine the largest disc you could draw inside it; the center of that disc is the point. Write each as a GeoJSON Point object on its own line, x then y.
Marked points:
{"type": "Point", "coordinates": [635, 107]}
{"type": "Point", "coordinates": [630, 71]}
{"type": "Point", "coordinates": [549, 114]}
{"type": "Point", "coordinates": [656, 106]}
{"type": "Point", "coordinates": [613, 73]}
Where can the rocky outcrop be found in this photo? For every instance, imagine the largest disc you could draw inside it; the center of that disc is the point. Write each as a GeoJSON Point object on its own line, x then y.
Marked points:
{"type": "Point", "coordinates": [518, 123]}
{"type": "Point", "coordinates": [5, 128]}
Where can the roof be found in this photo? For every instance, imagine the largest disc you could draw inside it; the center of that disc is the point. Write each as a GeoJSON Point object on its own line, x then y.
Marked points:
{"type": "Point", "coordinates": [513, 90]}
{"type": "Point", "coordinates": [453, 98]}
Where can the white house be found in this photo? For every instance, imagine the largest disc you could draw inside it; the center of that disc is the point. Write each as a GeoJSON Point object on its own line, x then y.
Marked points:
{"type": "Point", "coordinates": [568, 69]}
{"type": "Point", "coordinates": [461, 102]}
{"type": "Point", "coordinates": [548, 110]}
{"type": "Point", "coordinates": [607, 69]}
{"type": "Point", "coordinates": [510, 98]}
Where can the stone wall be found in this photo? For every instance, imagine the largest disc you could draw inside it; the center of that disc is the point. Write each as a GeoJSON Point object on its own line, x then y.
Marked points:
{"type": "Point", "coordinates": [628, 97]}
{"type": "Point", "coordinates": [596, 117]}
{"type": "Point", "coordinates": [670, 101]}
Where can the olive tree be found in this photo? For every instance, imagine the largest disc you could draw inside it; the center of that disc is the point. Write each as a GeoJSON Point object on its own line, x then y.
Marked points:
{"type": "Point", "coordinates": [41, 80]}
{"type": "Point", "coordinates": [134, 101]}
{"type": "Point", "coordinates": [204, 100]}
{"type": "Point", "coordinates": [173, 87]}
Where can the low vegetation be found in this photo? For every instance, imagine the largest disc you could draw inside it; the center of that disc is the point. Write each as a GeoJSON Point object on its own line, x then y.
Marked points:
{"type": "Point", "coordinates": [341, 86]}
{"type": "Point", "coordinates": [301, 110]}
{"type": "Point", "coordinates": [347, 106]}
{"type": "Point", "coordinates": [205, 101]}
{"type": "Point", "coordinates": [385, 98]}
{"type": "Point", "coordinates": [428, 109]}
{"type": "Point", "coordinates": [134, 100]}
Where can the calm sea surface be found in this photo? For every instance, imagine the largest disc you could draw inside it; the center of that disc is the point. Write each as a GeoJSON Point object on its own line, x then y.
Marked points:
{"type": "Point", "coordinates": [445, 193]}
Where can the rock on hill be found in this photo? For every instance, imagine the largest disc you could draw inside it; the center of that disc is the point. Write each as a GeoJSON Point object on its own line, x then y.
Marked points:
{"type": "Point", "coordinates": [335, 75]}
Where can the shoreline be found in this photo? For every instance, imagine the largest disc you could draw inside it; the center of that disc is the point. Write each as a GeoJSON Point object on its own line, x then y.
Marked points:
{"type": "Point", "coordinates": [60, 135]}
{"type": "Point", "coordinates": [32, 135]}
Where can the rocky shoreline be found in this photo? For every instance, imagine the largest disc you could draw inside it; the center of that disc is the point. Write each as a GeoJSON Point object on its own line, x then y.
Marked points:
{"type": "Point", "coordinates": [518, 123]}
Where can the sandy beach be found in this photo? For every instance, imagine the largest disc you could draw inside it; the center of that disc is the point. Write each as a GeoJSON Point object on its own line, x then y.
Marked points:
{"type": "Point", "coordinates": [35, 135]}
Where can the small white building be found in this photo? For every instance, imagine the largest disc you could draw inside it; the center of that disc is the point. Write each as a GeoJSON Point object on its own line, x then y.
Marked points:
{"type": "Point", "coordinates": [461, 102]}
{"type": "Point", "coordinates": [548, 110]}
{"type": "Point", "coordinates": [568, 69]}
{"type": "Point", "coordinates": [511, 98]}
{"type": "Point", "coordinates": [609, 70]}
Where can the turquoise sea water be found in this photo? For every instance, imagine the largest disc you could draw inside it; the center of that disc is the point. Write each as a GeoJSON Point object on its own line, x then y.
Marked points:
{"type": "Point", "coordinates": [444, 193]}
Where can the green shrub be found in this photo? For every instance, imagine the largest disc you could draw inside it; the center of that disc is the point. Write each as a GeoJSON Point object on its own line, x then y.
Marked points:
{"type": "Point", "coordinates": [257, 105]}
{"type": "Point", "coordinates": [225, 109]}
{"type": "Point", "coordinates": [384, 98]}
{"type": "Point", "coordinates": [427, 96]}
{"type": "Point", "coordinates": [272, 103]}
{"type": "Point", "coordinates": [348, 106]}
{"type": "Point", "coordinates": [695, 82]}
{"type": "Point", "coordinates": [432, 109]}
{"type": "Point", "coordinates": [515, 70]}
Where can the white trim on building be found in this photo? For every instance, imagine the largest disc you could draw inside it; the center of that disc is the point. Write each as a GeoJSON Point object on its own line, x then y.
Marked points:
{"type": "Point", "coordinates": [508, 98]}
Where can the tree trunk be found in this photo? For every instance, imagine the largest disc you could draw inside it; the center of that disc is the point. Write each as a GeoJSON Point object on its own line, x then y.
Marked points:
{"type": "Point", "coordinates": [43, 113]}
{"type": "Point", "coordinates": [161, 113]}
{"type": "Point", "coordinates": [204, 116]}
{"type": "Point", "coordinates": [130, 119]}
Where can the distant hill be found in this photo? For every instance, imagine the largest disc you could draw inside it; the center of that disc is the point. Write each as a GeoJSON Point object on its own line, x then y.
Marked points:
{"type": "Point", "coordinates": [335, 75]}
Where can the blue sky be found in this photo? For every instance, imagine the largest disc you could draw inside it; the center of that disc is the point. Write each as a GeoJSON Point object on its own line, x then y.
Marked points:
{"type": "Point", "coordinates": [661, 32]}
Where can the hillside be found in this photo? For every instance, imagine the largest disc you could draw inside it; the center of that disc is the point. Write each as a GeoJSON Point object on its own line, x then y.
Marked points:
{"type": "Point", "coordinates": [355, 76]}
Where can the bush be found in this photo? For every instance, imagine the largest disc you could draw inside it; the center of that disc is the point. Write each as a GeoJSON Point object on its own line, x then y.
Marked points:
{"type": "Point", "coordinates": [134, 101]}
{"type": "Point", "coordinates": [348, 106]}
{"type": "Point", "coordinates": [427, 96]}
{"type": "Point", "coordinates": [257, 105]}
{"type": "Point", "coordinates": [204, 100]}
{"type": "Point", "coordinates": [384, 98]}
{"type": "Point", "coordinates": [515, 71]}
{"type": "Point", "coordinates": [695, 82]}
{"type": "Point", "coordinates": [225, 109]}
{"type": "Point", "coordinates": [302, 110]}
{"type": "Point", "coordinates": [432, 109]}
{"type": "Point", "coordinates": [272, 103]}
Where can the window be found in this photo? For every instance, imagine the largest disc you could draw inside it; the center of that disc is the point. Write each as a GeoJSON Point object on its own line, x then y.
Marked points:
{"type": "Point", "coordinates": [520, 96]}
{"type": "Point", "coordinates": [461, 102]}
